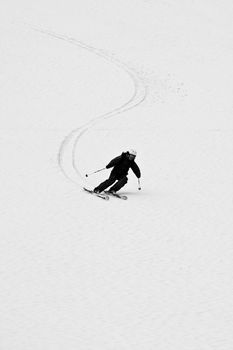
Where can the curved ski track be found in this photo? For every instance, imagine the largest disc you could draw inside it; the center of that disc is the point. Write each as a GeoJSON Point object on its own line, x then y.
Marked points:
{"type": "Point", "coordinates": [66, 153]}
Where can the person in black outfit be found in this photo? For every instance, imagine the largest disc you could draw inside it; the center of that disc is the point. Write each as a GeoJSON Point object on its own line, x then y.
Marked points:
{"type": "Point", "coordinates": [121, 166]}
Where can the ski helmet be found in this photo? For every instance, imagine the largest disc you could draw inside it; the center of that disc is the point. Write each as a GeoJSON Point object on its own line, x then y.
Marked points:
{"type": "Point", "coordinates": [133, 152]}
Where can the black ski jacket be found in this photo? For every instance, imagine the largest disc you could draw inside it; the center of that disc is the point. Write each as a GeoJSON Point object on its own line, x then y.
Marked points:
{"type": "Point", "coordinates": [122, 164]}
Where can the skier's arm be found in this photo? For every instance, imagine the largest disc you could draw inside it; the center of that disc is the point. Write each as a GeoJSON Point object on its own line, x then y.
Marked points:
{"type": "Point", "coordinates": [113, 162]}
{"type": "Point", "coordinates": [136, 170]}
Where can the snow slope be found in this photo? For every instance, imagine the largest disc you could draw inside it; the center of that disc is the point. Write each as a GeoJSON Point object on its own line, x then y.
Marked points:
{"type": "Point", "coordinates": [80, 82]}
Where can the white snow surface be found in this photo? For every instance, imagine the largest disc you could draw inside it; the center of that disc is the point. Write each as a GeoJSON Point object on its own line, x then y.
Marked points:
{"type": "Point", "coordinates": [80, 82]}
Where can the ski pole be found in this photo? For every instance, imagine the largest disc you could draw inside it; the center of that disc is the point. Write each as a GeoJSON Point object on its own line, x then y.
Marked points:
{"type": "Point", "coordinates": [139, 185]}
{"type": "Point", "coordinates": [94, 172]}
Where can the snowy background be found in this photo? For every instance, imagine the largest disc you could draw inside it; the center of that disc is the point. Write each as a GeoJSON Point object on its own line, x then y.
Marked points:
{"type": "Point", "coordinates": [80, 82]}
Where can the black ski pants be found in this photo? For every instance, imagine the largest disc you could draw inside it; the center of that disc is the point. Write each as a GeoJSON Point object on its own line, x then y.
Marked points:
{"type": "Point", "coordinates": [121, 181]}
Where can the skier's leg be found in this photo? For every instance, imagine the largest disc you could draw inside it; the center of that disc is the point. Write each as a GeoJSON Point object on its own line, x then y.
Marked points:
{"type": "Point", "coordinates": [110, 181]}
{"type": "Point", "coordinates": [119, 184]}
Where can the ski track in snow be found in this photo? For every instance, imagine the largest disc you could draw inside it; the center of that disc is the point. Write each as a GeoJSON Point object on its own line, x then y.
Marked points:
{"type": "Point", "coordinates": [66, 154]}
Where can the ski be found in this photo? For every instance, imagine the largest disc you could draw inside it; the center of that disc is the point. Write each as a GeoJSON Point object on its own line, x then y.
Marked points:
{"type": "Point", "coordinates": [100, 195]}
{"type": "Point", "coordinates": [117, 195]}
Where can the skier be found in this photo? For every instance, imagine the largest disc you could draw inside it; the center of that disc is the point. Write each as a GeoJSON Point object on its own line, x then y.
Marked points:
{"type": "Point", "coordinates": [121, 166]}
